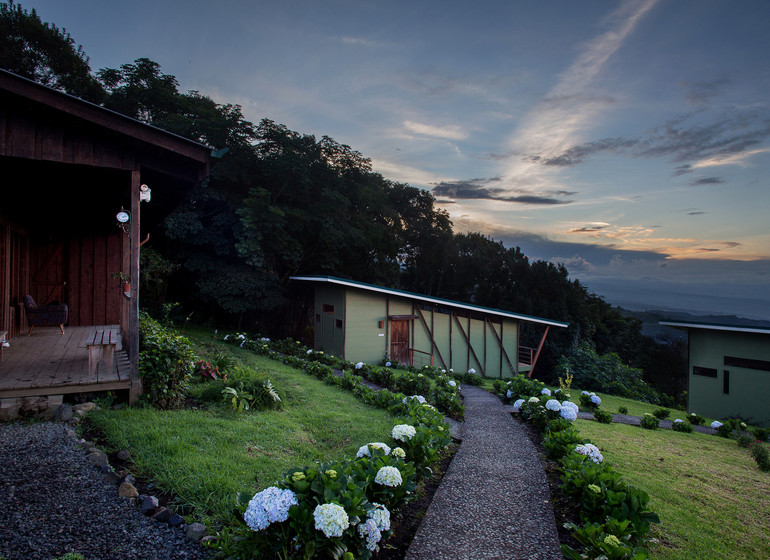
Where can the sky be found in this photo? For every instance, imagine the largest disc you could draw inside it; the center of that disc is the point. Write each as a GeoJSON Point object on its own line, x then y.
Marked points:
{"type": "Point", "coordinates": [628, 140]}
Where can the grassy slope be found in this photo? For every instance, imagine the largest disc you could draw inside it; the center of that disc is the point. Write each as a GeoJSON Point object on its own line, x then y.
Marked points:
{"type": "Point", "coordinates": [206, 457]}
{"type": "Point", "coordinates": [712, 499]}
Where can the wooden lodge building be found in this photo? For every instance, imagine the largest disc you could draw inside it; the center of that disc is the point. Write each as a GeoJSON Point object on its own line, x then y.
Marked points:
{"type": "Point", "coordinates": [68, 168]}
{"type": "Point", "coordinates": [363, 322]}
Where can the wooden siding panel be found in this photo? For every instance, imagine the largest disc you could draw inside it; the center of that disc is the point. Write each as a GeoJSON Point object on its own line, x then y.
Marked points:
{"type": "Point", "coordinates": [21, 136]}
{"type": "Point", "coordinates": [363, 312]}
{"type": "Point", "coordinates": [86, 284]}
{"type": "Point", "coordinates": [114, 290]}
{"type": "Point", "coordinates": [511, 345]}
{"type": "Point", "coordinates": [100, 281]}
{"type": "Point", "coordinates": [52, 144]}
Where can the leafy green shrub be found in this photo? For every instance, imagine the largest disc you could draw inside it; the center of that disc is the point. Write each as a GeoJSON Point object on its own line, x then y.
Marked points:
{"type": "Point", "coordinates": [590, 401]}
{"type": "Point", "coordinates": [731, 427]}
{"type": "Point", "coordinates": [606, 373]}
{"type": "Point", "coordinates": [745, 441]}
{"type": "Point", "coordinates": [523, 387]}
{"type": "Point", "coordinates": [558, 443]}
{"type": "Point", "coordinates": [622, 410]}
{"type": "Point", "coordinates": [601, 541]}
{"type": "Point", "coordinates": [759, 452]}
{"type": "Point", "coordinates": [760, 433]}
{"type": "Point", "coordinates": [602, 416]}
{"type": "Point", "coordinates": [695, 419]}
{"type": "Point", "coordinates": [679, 426]}
{"type": "Point", "coordinates": [166, 362]}
{"type": "Point", "coordinates": [661, 413]}
{"type": "Point", "coordinates": [649, 422]}
{"type": "Point", "coordinates": [469, 378]}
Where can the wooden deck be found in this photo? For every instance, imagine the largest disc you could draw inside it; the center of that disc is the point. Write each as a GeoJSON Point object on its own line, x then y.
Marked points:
{"type": "Point", "coordinates": [50, 363]}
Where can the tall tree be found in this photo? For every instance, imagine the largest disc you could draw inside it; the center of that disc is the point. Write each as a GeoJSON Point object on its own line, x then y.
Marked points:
{"type": "Point", "coordinates": [44, 53]}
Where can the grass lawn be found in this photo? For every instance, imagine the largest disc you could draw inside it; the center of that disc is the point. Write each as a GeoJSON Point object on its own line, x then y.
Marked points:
{"type": "Point", "coordinates": [204, 457]}
{"type": "Point", "coordinates": [712, 499]}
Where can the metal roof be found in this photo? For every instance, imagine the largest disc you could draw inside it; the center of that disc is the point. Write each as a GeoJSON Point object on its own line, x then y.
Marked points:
{"type": "Point", "coordinates": [429, 299]}
{"type": "Point", "coordinates": [716, 327]}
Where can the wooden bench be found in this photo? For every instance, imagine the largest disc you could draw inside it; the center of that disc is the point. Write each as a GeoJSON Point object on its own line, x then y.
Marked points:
{"type": "Point", "coordinates": [101, 348]}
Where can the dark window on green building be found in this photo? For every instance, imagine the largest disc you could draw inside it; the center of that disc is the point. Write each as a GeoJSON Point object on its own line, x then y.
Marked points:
{"type": "Point", "coordinates": [327, 308]}
{"type": "Point", "coordinates": [748, 363]}
{"type": "Point", "coordinates": [726, 382]}
{"type": "Point", "coordinates": [704, 371]}
{"type": "Point", "coordinates": [339, 323]}
{"type": "Point", "coordinates": [317, 318]}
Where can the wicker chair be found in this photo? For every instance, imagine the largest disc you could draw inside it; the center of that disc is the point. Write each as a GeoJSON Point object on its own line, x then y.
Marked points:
{"type": "Point", "coordinates": [47, 315]}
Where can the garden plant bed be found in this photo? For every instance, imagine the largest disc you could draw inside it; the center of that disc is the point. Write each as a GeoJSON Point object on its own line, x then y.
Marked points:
{"type": "Point", "coordinates": [407, 522]}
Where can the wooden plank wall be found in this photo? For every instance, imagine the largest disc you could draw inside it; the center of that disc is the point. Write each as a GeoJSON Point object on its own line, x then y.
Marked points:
{"type": "Point", "coordinates": [86, 264]}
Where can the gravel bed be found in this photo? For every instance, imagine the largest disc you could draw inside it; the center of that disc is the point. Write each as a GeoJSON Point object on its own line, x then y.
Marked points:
{"type": "Point", "coordinates": [55, 501]}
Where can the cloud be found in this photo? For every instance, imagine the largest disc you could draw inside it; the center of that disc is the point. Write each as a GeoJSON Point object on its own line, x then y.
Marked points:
{"type": "Point", "coordinates": [707, 181]}
{"type": "Point", "coordinates": [725, 140]}
{"type": "Point", "coordinates": [697, 213]}
{"type": "Point", "coordinates": [699, 93]}
{"type": "Point", "coordinates": [359, 41]}
{"type": "Point", "coordinates": [591, 228]}
{"type": "Point", "coordinates": [577, 154]}
{"type": "Point", "coordinates": [553, 126]}
{"type": "Point", "coordinates": [444, 132]}
{"type": "Point", "coordinates": [475, 189]}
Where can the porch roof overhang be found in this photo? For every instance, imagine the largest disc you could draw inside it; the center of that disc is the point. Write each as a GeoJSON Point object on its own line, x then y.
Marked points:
{"type": "Point", "coordinates": [155, 148]}
{"type": "Point", "coordinates": [686, 325]}
{"type": "Point", "coordinates": [430, 299]}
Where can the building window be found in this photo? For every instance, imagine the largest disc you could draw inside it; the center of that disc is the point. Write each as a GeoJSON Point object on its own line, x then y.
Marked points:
{"type": "Point", "coordinates": [748, 363]}
{"type": "Point", "coordinates": [317, 318]}
{"type": "Point", "coordinates": [338, 323]}
{"type": "Point", "coordinates": [328, 308]}
{"type": "Point", "coordinates": [704, 371]}
{"type": "Point", "coordinates": [726, 382]}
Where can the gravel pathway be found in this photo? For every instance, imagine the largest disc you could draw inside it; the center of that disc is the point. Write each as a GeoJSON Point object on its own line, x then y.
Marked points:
{"type": "Point", "coordinates": [54, 501]}
{"type": "Point", "coordinates": [494, 501]}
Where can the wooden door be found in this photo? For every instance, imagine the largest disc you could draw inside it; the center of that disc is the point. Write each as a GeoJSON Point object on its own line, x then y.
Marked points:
{"type": "Point", "coordinates": [399, 342]}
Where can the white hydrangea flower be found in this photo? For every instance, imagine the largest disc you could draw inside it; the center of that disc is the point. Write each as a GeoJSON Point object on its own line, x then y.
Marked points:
{"type": "Point", "coordinates": [517, 404]}
{"type": "Point", "coordinates": [359, 365]}
{"type": "Point", "coordinates": [370, 533]}
{"type": "Point", "coordinates": [309, 351]}
{"type": "Point", "coordinates": [403, 432]}
{"type": "Point", "coordinates": [271, 505]}
{"type": "Point", "coordinates": [677, 421]}
{"type": "Point", "coordinates": [568, 413]}
{"type": "Point", "coordinates": [381, 516]}
{"type": "Point", "coordinates": [472, 371]}
{"type": "Point", "coordinates": [389, 476]}
{"type": "Point", "coordinates": [716, 424]}
{"type": "Point", "coordinates": [242, 336]}
{"type": "Point", "coordinates": [534, 399]}
{"type": "Point", "coordinates": [398, 453]}
{"type": "Point", "coordinates": [363, 451]}
{"type": "Point", "coordinates": [546, 391]}
{"type": "Point", "coordinates": [509, 394]}
{"type": "Point", "coordinates": [420, 399]}
{"type": "Point", "coordinates": [553, 405]}
{"type": "Point", "coordinates": [591, 451]}
{"type": "Point", "coordinates": [264, 339]}
{"type": "Point", "coordinates": [227, 337]}
{"type": "Point", "coordinates": [452, 383]}
{"type": "Point", "coordinates": [331, 519]}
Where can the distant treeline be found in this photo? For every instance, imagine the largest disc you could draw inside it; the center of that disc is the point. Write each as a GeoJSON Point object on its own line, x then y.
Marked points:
{"type": "Point", "coordinates": [280, 203]}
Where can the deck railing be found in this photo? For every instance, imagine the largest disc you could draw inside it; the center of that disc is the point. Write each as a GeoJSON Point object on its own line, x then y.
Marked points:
{"type": "Point", "coordinates": [526, 355]}
{"type": "Point", "coordinates": [421, 358]}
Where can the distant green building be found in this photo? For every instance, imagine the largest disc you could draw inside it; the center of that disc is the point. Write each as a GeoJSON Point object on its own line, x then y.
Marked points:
{"type": "Point", "coordinates": [367, 323]}
{"type": "Point", "coordinates": [729, 371]}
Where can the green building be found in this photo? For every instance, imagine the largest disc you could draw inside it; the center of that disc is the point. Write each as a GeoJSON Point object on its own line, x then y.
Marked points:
{"type": "Point", "coordinates": [729, 371]}
{"type": "Point", "coordinates": [367, 323]}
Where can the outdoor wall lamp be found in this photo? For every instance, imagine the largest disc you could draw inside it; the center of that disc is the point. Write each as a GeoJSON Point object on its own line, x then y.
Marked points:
{"type": "Point", "coordinates": [145, 193]}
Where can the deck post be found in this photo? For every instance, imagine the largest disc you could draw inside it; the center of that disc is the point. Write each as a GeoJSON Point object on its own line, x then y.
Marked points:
{"type": "Point", "coordinates": [133, 303]}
